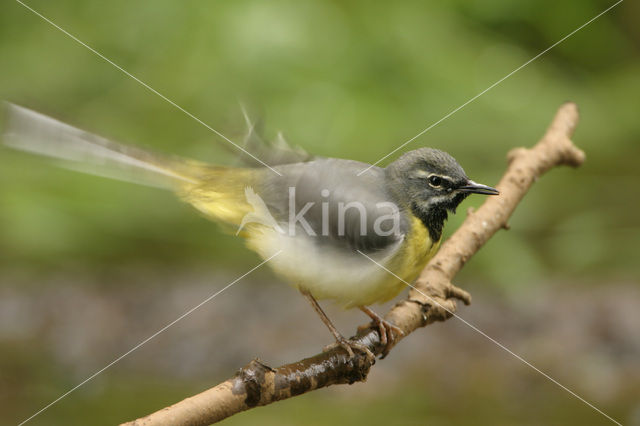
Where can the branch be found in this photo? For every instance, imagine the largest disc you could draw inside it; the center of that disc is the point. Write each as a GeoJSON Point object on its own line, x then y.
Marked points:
{"type": "Point", "coordinates": [431, 299]}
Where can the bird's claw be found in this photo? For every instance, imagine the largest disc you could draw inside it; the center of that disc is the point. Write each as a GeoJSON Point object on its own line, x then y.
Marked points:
{"type": "Point", "coordinates": [349, 346]}
{"type": "Point", "coordinates": [388, 334]}
{"type": "Point", "coordinates": [388, 331]}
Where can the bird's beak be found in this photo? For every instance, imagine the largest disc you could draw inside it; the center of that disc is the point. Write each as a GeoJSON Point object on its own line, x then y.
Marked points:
{"type": "Point", "coordinates": [477, 188]}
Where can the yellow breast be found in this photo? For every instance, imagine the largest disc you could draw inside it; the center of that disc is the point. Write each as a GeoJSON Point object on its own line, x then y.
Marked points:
{"type": "Point", "coordinates": [417, 250]}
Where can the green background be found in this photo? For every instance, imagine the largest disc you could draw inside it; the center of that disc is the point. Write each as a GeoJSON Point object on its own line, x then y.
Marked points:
{"type": "Point", "coordinates": [342, 79]}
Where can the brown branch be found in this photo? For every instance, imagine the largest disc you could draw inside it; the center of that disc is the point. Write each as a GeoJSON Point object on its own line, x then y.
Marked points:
{"type": "Point", "coordinates": [433, 298]}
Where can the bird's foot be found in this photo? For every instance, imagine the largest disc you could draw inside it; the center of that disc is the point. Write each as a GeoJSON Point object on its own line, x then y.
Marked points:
{"type": "Point", "coordinates": [388, 331]}
{"type": "Point", "coordinates": [349, 346]}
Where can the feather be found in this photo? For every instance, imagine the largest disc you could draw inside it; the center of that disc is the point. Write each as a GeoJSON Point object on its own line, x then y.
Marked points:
{"type": "Point", "coordinates": [273, 153]}
{"type": "Point", "coordinates": [76, 149]}
{"type": "Point", "coordinates": [260, 213]}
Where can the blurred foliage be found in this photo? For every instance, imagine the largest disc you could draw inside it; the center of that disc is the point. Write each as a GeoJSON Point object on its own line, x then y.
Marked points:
{"type": "Point", "coordinates": [344, 79]}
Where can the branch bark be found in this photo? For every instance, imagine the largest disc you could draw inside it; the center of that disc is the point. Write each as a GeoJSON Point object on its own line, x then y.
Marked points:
{"type": "Point", "coordinates": [433, 297]}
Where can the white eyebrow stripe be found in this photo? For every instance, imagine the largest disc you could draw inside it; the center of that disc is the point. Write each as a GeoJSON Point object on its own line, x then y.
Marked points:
{"type": "Point", "coordinates": [424, 173]}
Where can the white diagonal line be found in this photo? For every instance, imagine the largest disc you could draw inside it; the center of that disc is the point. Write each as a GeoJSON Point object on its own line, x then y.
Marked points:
{"type": "Point", "coordinates": [496, 342]}
{"type": "Point", "coordinates": [492, 86]}
{"type": "Point", "coordinates": [147, 339]}
{"type": "Point", "coordinates": [146, 86]}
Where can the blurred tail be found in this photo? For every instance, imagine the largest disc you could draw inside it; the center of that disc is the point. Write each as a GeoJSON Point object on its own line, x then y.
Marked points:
{"type": "Point", "coordinates": [76, 149]}
{"type": "Point", "coordinates": [217, 191]}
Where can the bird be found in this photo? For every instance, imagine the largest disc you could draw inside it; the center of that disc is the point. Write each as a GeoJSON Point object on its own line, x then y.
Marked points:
{"type": "Point", "coordinates": [334, 229]}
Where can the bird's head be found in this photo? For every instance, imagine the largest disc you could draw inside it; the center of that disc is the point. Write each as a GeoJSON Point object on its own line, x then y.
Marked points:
{"type": "Point", "coordinates": [431, 183]}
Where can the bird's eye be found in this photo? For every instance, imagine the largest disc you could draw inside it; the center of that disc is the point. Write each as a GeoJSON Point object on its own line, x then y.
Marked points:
{"type": "Point", "coordinates": [435, 181]}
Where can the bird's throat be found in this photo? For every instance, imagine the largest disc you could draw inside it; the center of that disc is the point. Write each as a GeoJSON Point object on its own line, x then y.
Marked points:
{"type": "Point", "coordinates": [433, 219]}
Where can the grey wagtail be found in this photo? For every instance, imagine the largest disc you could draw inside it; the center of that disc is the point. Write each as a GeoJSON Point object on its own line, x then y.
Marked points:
{"type": "Point", "coordinates": [321, 216]}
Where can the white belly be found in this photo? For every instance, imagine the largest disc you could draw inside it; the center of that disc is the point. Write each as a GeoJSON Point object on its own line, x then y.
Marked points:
{"type": "Point", "coordinates": [347, 277]}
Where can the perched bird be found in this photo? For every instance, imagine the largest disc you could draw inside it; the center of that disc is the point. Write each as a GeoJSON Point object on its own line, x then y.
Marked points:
{"type": "Point", "coordinates": [321, 220]}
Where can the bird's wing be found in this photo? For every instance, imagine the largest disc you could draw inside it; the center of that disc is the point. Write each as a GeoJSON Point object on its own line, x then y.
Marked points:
{"type": "Point", "coordinates": [326, 199]}
{"type": "Point", "coordinates": [273, 153]}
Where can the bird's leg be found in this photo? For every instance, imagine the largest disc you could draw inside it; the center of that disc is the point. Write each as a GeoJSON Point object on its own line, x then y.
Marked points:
{"type": "Point", "coordinates": [341, 341]}
{"type": "Point", "coordinates": [386, 329]}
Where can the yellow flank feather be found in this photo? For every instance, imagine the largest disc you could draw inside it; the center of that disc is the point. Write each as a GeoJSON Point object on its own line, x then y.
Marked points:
{"type": "Point", "coordinates": [220, 193]}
